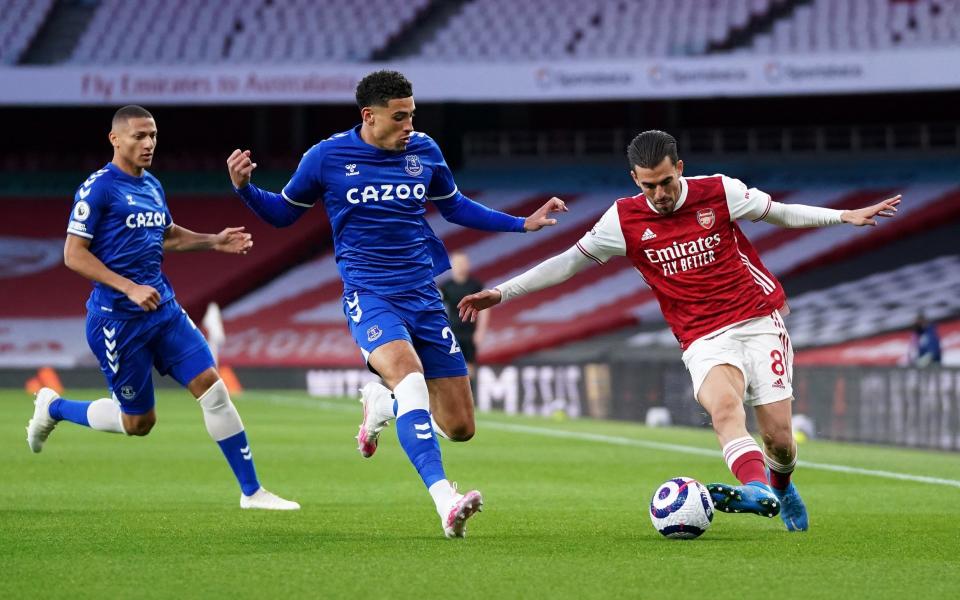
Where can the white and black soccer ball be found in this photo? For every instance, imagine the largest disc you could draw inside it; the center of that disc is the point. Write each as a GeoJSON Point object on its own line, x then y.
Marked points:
{"type": "Point", "coordinates": [681, 508]}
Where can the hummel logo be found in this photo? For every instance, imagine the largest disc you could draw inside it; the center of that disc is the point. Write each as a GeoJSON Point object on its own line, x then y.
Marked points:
{"type": "Point", "coordinates": [351, 169]}
{"type": "Point", "coordinates": [423, 427]}
{"type": "Point", "coordinates": [245, 453]}
{"type": "Point", "coordinates": [779, 384]}
{"type": "Point", "coordinates": [129, 199]}
{"type": "Point", "coordinates": [648, 235]}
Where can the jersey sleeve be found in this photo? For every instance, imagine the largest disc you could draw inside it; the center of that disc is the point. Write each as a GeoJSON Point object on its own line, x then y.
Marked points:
{"type": "Point", "coordinates": [90, 204]}
{"type": "Point", "coordinates": [605, 240]}
{"type": "Point", "coordinates": [442, 185]}
{"type": "Point", "coordinates": [746, 203]}
{"type": "Point", "coordinates": [306, 185]}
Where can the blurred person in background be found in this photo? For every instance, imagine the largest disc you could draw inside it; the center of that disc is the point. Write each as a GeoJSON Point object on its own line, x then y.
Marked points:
{"type": "Point", "coordinates": [925, 343]}
{"type": "Point", "coordinates": [462, 284]}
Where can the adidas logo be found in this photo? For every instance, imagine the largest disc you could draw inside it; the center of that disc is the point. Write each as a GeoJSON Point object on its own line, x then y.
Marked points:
{"type": "Point", "coordinates": [648, 235]}
{"type": "Point", "coordinates": [779, 384]}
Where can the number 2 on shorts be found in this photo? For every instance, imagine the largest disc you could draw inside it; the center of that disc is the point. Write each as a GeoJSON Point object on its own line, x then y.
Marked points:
{"type": "Point", "coordinates": [448, 333]}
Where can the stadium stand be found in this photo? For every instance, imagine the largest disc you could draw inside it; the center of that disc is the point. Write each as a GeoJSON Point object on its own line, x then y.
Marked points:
{"type": "Point", "coordinates": [862, 25]}
{"type": "Point", "coordinates": [239, 31]}
{"type": "Point", "coordinates": [302, 31]}
{"type": "Point", "coordinates": [21, 21]}
{"type": "Point", "coordinates": [502, 30]}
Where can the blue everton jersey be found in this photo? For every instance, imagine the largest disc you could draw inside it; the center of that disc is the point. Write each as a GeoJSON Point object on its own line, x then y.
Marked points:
{"type": "Point", "coordinates": [376, 200]}
{"type": "Point", "coordinates": [125, 218]}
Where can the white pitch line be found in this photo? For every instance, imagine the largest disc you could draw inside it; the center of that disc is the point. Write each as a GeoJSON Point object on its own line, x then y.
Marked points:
{"type": "Point", "coordinates": [623, 441]}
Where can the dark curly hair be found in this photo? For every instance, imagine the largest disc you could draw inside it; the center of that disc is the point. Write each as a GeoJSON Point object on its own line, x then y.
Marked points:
{"type": "Point", "coordinates": [380, 87]}
{"type": "Point", "coordinates": [649, 148]}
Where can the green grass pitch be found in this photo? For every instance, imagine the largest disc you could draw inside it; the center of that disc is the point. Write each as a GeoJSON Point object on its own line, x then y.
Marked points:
{"type": "Point", "coordinates": [566, 515]}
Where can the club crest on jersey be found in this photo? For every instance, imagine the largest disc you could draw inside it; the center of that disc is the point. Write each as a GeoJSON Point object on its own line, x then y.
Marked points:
{"type": "Point", "coordinates": [374, 333]}
{"type": "Point", "coordinates": [413, 167]}
{"type": "Point", "coordinates": [127, 392]}
{"type": "Point", "coordinates": [706, 218]}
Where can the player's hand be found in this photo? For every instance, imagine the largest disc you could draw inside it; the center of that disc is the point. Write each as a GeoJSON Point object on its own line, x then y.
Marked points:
{"type": "Point", "coordinates": [233, 240]}
{"type": "Point", "coordinates": [541, 218]}
{"type": "Point", "coordinates": [865, 216]}
{"type": "Point", "coordinates": [240, 167]}
{"type": "Point", "coordinates": [144, 296]}
{"type": "Point", "coordinates": [470, 306]}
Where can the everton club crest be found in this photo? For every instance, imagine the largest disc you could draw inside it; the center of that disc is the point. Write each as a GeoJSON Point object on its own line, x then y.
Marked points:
{"type": "Point", "coordinates": [706, 218]}
{"type": "Point", "coordinates": [413, 166]}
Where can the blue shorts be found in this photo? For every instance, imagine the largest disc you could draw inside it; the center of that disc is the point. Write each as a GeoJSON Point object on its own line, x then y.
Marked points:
{"type": "Point", "coordinates": [417, 316]}
{"type": "Point", "coordinates": [128, 349]}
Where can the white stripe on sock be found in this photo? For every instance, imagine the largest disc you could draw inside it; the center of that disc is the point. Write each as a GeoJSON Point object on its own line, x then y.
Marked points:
{"type": "Point", "coordinates": [734, 449]}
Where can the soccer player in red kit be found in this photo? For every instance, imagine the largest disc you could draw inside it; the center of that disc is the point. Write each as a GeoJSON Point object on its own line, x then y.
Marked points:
{"type": "Point", "coordinates": [722, 304]}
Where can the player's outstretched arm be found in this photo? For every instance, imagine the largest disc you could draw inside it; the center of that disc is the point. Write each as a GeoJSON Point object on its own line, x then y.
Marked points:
{"type": "Point", "coordinates": [866, 215]}
{"type": "Point", "coordinates": [801, 215]}
{"type": "Point", "coordinates": [463, 211]}
{"type": "Point", "coordinates": [232, 240]}
{"type": "Point", "coordinates": [273, 208]}
{"type": "Point", "coordinates": [78, 258]}
{"type": "Point", "coordinates": [548, 273]}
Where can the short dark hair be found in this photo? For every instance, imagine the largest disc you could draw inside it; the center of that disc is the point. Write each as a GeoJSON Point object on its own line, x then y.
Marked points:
{"type": "Point", "coordinates": [130, 111]}
{"type": "Point", "coordinates": [380, 87]}
{"type": "Point", "coordinates": [649, 148]}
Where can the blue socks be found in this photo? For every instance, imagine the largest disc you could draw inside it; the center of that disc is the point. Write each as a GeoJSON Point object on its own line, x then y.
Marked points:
{"type": "Point", "coordinates": [74, 411]}
{"type": "Point", "coordinates": [414, 429]}
{"type": "Point", "coordinates": [420, 444]}
{"type": "Point", "coordinates": [236, 450]}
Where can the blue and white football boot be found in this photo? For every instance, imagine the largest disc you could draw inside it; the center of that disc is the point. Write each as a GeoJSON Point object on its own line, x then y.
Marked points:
{"type": "Point", "coordinates": [793, 511]}
{"type": "Point", "coordinates": [755, 497]}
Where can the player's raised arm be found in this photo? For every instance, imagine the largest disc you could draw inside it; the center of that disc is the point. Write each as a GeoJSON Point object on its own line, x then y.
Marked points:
{"type": "Point", "coordinates": [278, 210]}
{"type": "Point", "coordinates": [232, 240]}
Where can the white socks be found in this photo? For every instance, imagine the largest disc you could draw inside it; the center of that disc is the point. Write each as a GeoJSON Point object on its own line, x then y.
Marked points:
{"type": "Point", "coordinates": [778, 467]}
{"type": "Point", "coordinates": [412, 394]}
{"type": "Point", "coordinates": [443, 494]}
{"type": "Point", "coordinates": [383, 403]}
{"type": "Point", "coordinates": [219, 413]}
{"type": "Point", "coordinates": [104, 415]}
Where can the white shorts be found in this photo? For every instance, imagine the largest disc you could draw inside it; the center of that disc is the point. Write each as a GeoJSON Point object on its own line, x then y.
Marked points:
{"type": "Point", "coordinates": [760, 348]}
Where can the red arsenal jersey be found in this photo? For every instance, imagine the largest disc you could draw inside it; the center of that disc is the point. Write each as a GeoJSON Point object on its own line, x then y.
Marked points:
{"type": "Point", "coordinates": [701, 267]}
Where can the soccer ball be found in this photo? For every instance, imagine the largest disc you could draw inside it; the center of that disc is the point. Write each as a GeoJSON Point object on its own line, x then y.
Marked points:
{"type": "Point", "coordinates": [681, 508]}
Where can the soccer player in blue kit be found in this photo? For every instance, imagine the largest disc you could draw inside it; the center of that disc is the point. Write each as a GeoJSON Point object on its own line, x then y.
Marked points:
{"type": "Point", "coordinates": [374, 181]}
{"type": "Point", "coordinates": [119, 228]}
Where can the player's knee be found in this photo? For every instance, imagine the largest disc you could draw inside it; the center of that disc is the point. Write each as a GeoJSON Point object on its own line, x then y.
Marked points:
{"type": "Point", "coordinates": [779, 441]}
{"type": "Point", "coordinates": [203, 382]}
{"type": "Point", "coordinates": [139, 426]}
{"type": "Point", "coordinates": [461, 431]}
{"type": "Point", "coordinates": [728, 409]}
